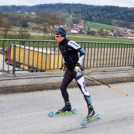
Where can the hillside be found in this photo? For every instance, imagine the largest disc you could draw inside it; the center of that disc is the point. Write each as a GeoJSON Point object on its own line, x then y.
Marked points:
{"type": "Point", "coordinates": [98, 26]}
{"type": "Point", "coordinates": [110, 15]}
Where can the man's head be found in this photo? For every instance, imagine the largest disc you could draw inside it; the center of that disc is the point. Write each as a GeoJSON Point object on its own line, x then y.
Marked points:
{"type": "Point", "coordinates": [60, 34]}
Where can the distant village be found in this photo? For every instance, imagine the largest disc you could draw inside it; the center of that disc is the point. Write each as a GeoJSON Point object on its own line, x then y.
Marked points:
{"type": "Point", "coordinates": [80, 29]}
{"type": "Point", "coordinates": [119, 32]}
{"type": "Point", "coordinates": [26, 12]}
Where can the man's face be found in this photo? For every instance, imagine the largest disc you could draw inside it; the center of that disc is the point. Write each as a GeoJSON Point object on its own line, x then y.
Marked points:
{"type": "Point", "coordinates": [58, 38]}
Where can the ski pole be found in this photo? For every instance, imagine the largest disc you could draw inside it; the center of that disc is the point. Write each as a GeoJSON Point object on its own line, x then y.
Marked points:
{"type": "Point", "coordinates": [101, 83]}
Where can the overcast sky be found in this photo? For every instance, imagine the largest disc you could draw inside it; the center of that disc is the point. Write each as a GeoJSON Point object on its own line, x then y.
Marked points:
{"type": "Point", "coordinates": [121, 3]}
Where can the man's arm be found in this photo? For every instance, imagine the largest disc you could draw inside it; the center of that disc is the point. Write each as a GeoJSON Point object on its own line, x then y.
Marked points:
{"type": "Point", "coordinates": [78, 48]}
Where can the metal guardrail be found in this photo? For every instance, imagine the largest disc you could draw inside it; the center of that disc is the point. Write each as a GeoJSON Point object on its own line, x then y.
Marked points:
{"type": "Point", "coordinates": [44, 55]}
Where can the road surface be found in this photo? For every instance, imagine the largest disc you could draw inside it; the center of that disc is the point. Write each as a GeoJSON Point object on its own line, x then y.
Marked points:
{"type": "Point", "coordinates": [27, 113]}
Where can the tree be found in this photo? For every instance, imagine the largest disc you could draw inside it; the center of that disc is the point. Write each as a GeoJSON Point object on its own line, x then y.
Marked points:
{"type": "Point", "coordinates": [1, 18]}
{"type": "Point", "coordinates": [49, 22]}
{"type": "Point", "coordinates": [23, 34]}
{"type": "Point", "coordinates": [5, 26]}
{"type": "Point", "coordinates": [25, 24]}
{"type": "Point", "coordinates": [103, 32]}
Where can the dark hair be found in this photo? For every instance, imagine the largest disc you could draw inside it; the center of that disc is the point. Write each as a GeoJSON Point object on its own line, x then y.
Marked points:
{"type": "Point", "coordinates": [61, 32]}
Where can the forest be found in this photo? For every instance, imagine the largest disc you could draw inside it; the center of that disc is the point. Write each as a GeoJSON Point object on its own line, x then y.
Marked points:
{"type": "Point", "coordinates": [111, 15]}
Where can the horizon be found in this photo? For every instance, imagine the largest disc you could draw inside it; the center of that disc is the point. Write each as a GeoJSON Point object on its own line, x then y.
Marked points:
{"type": "Point", "coordinates": [67, 3]}
{"type": "Point", "coordinates": [120, 3]}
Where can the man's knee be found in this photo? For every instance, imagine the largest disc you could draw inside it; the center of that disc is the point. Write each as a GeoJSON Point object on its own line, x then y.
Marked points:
{"type": "Point", "coordinates": [61, 87]}
{"type": "Point", "coordinates": [79, 75]}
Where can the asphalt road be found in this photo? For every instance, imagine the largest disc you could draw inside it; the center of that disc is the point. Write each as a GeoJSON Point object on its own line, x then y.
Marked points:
{"type": "Point", "coordinates": [27, 113]}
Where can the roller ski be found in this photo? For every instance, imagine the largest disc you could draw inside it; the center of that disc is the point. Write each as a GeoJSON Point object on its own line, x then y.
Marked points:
{"type": "Point", "coordinates": [90, 115]}
{"type": "Point", "coordinates": [84, 122]}
{"type": "Point", "coordinates": [66, 109]}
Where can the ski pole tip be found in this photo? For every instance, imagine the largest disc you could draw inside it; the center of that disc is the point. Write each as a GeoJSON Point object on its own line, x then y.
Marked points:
{"type": "Point", "coordinates": [126, 94]}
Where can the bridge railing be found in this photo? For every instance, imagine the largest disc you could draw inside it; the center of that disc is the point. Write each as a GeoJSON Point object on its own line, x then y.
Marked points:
{"type": "Point", "coordinates": [44, 55]}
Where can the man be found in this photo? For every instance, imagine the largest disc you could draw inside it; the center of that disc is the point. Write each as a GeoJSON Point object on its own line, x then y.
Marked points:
{"type": "Point", "coordinates": [72, 66]}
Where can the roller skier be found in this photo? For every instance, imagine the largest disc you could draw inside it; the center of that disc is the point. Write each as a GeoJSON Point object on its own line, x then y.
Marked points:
{"type": "Point", "coordinates": [73, 70]}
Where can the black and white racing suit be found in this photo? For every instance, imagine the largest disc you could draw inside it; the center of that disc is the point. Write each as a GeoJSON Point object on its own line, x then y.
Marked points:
{"type": "Point", "coordinates": [70, 50]}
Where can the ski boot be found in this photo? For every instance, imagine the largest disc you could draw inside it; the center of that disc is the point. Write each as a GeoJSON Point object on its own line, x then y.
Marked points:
{"type": "Point", "coordinates": [66, 108]}
{"type": "Point", "coordinates": [91, 112]}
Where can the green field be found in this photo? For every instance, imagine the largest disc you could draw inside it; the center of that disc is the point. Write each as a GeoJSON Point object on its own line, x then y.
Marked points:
{"type": "Point", "coordinates": [81, 38]}
{"type": "Point", "coordinates": [93, 25]}
{"type": "Point", "coordinates": [101, 39]}
{"type": "Point", "coordinates": [27, 15]}
{"type": "Point", "coordinates": [69, 20]}
{"type": "Point", "coordinates": [87, 38]}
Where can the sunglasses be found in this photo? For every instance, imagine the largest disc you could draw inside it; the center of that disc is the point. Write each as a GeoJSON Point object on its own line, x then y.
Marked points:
{"type": "Point", "coordinates": [57, 36]}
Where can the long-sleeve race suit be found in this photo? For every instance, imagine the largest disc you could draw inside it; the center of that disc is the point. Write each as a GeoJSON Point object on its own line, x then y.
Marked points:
{"type": "Point", "coordinates": [70, 50]}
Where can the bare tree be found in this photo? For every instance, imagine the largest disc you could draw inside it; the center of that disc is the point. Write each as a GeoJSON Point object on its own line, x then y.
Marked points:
{"type": "Point", "coordinates": [23, 34]}
{"type": "Point", "coordinates": [103, 32]}
{"type": "Point", "coordinates": [1, 19]}
{"type": "Point", "coordinates": [49, 22]}
{"type": "Point", "coordinates": [5, 26]}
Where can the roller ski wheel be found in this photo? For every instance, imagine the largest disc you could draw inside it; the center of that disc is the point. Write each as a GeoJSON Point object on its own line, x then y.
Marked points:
{"type": "Point", "coordinates": [74, 111]}
{"type": "Point", "coordinates": [51, 114]}
{"type": "Point", "coordinates": [84, 122]}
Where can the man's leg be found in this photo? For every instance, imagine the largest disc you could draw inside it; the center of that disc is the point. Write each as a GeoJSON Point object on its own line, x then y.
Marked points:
{"type": "Point", "coordinates": [81, 85]}
{"type": "Point", "coordinates": [65, 82]}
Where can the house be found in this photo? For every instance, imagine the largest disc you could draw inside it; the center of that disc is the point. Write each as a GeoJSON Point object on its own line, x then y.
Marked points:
{"type": "Point", "coordinates": [111, 34]}
{"type": "Point", "coordinates": [33, 13]}
{"type": "Point", "coordinates": [119, 32]}
{"type": "Point", "coordinates": [73, 31]}
{"type": "Point", "coordinates": [129, 36]}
